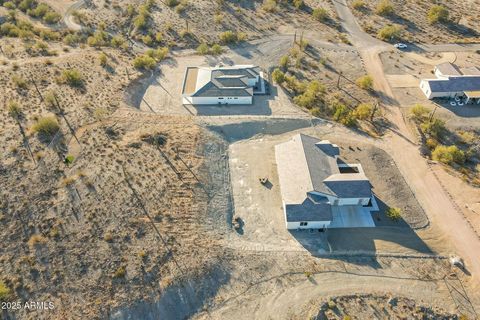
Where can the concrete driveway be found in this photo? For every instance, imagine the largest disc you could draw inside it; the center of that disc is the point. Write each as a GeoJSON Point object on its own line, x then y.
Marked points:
{"type": "Point", "coordinates": [351, 217]}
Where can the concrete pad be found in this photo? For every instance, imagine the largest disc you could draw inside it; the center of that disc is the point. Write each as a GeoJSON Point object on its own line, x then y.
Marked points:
{"type": "Point", "coordinates": [351, 217]}
{"type": "Point", "coordinates": [402, 80]}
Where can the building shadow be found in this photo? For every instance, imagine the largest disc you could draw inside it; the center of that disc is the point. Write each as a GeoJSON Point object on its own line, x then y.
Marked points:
{"type": "Point", "coordinates": [465, 111]}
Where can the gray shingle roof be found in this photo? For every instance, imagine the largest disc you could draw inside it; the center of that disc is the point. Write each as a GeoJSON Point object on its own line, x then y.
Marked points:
{"type": "Point", "coordinates": [229, 82]}
{"type": "Point", "coordinates": [308, 211]}
{"type": "Point", "coordinates": [455, 84]}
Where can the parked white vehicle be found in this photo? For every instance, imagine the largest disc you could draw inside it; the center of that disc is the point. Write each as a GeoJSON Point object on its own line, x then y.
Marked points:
{"type": "Point", "coordinates": [400, 45]}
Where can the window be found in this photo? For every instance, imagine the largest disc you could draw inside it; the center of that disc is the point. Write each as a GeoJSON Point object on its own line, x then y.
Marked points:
{"type": "Point", "coordinates": [303, 224]}
{"type": "Point", "coordinates": [220, 98]}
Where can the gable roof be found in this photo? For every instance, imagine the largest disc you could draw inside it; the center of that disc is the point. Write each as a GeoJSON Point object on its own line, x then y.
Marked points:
{"type": "Point", "coordinates": [306, 164]}
{"type": "Point", "coordinates": [308, 211]}
{"type": "Point", "coordinates": [220, 81]}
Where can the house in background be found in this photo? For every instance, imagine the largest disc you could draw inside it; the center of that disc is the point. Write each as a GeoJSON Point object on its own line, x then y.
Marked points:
{"type": "Point", "coordinates": [222, 85]}
{"type": "Point", "coordinates": [315, 184]}
{"type": "Point", "coordinates": [453, 82]}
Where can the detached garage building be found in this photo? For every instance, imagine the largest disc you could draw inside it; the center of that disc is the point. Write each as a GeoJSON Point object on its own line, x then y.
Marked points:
{"type": "Point", "coordinates": [222, 85]}
{"type": "Point", "coordinates": [452, 82]}
{"type": "Point", "coordinates": [313, 181]}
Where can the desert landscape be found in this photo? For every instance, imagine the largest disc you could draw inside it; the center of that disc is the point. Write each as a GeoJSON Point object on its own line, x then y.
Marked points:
{"type": "Point", "coordinates": [118, 200]}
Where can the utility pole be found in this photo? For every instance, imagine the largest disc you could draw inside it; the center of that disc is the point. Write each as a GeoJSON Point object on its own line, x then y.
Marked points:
{"type": "Point", "coordinates": [432, 114]}
{"type": "Point", "coordinates": [338, 80]}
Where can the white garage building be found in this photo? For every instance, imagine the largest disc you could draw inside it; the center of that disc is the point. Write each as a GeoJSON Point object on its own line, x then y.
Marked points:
{"type": "Point", "coordinates": [222, 85]}
{"type": "Point", "coordinates": [453, 82]}
{"type": "Point", "coordinates": [313, 180]}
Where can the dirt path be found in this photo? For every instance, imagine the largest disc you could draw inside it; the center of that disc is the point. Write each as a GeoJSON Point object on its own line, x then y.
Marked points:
{"type": "Point", "coordinates": [68, 18]}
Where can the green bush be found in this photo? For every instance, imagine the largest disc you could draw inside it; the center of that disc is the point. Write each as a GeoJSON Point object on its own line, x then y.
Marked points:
{"type": "Point", "coordinates": [157, 54]}
{"type": "Point", "coordinates": [320, 14]}
{"type": "Point", "coordinates": [448, 154]}
{"type": "Point", "coordinates": [72, 77]}
{"type": "Point", "coordinates": [203, 49]}
{"type": "Point", "coordinates": [390, 33]}
{"type": "Point", "coordinates": [228, 37]}
{"type": "Point", "coordinates": [144, 62]}
{"type": "Point", "coordinates": [297, 3]}
{"type": "Point", "coordinates": [394, 213]}
{"type": "Point", "coordinates": [284, 61]}
{"type": "Point", "coordinates": [358, 4]}
{"type": "Point", "coordinates": [217, 49]}
{"type": "Point", "coordinates": [419, 112]}
{"type": "Point", "coordinates": [51, 17]}
{"type": "Point", "coordinates": [270, 5]}
{"type": "Point", "coordinates": [19, 82]}
{"type": "Point", "coordinates": [120, 272]}
{"type": "Point", "coordinates": [117, 41]}
{"type": "Point", "coordinates": [363, 111]}
{"type": "Point", "coordinates": [103, 59]}
{"type": "Point", "coordinates": [278, 76]}
{"type": "Point", "coordinates": [171, 3]}
{"type": "Point", "coordinates": [71, 39]}
{"type": "Point", "coordinates": [311, 96]}
{"type": "Point", "coordinates": [437, 13]}
{"type": "Point", "coordinates": [99, 39]}
{"type": "Point", "coordinates": [384, 8]}
{"type": "Point", "coordinates": [434, 127]}
{"type": "Point", "coordinates": [47, 126]}
{"type": "Point", "coordinates": [365, 82]}
{"type": "Point", "coordinates": [14, 109]}
{"type": "Point", "coordinates": [5, 292]}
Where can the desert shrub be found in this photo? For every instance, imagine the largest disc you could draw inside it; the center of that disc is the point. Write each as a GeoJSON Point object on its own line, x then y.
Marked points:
{"type": "Point", "coordinates": [72, 77]}
{"type": "Point", "coordinates": [157, 54]}
{"type": "Point", "coordinates": [316, 112]}
{"type": "Point", "coordinates": [384, 8]}
{"type": "Point", "coordinates": [71, 39]}
{"type": "Point", "coordinates": [50, 99]}
{"type": "Point", "coordinates": [19, 82]}
{"type": "Point", "coordinates": [14, 109]}
{"type": "Point", "coordinates": [297, 3]}
{"type": "Point", "coordinates": [448, 154]}
{"type": "Point", "coordinates": [365, 82]}
{"type": "Point", "coordinates": [331, 304]}
{"type": "Point", "coordinates": [47, 126]}
{"type": "Point", "coordinates": [49, 35]}
{"type": "Point", "coordinates": [117, 41]}
{"type": "Point", "coordinates": [5, 292]}
{"type": "Point", "coordinates": [147, 39]}
{"type": "Point", "coordinates": [390, 33]}
{"type": "Point", "coordinates": [363, 111]}
{"type": "Point", "coordinates": [419, 112]}
{"type": "Point", "coordinates": [320, 14]}
{"type": "Point", "coordinates": [140, 21]}
{"type": "Point", "coordinates": [431, 143]}
{"type": "Point", "coordinates": [9, 5]}
{"type": "Point", "coordinates": [103, 59]}
{"type": "Point", "coordinates": [311, 96]}
{"type": "Point", "coordinates": [159, 37]}
{"type": "Point", "coordinates": [120, 272]}
{"type": "Point", "coordinates": [270, 5]}
{"type": "Point", "coordinates": [228, 37]}
{"type": "Point", "coordinates": [203, 49]}
{"type": "Point", "coordinates": [358, 4]}
{"type": "Point", "coordinates": [99, 39]}
{"type": "Point", "coordinates": [36, 240]}
{"type": "Point", "coordinates": [284, 61]}
{"type": "Point", "coordinates": [394, 213]}
{"type": "Point", "coordinates": [218, 18]}
{"type": "Point", "coordinates": [278, 76]}
{"type": "Point", "coordinates": [437, 13]}
{"type": "Point", "coordinates": [217, 49]}
{"type": "Point", "coordinates": [144, 62]}
{"type": "Point", "coordinates": [171, 3]}
{"type": "Point", "coordinates": [51, 17]}
{"type": "Point", "coordinates": [434, 127]}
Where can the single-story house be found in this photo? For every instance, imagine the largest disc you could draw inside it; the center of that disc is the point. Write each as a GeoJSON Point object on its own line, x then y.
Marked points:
{"type": "Point", "coordinates": [452, 82]}
{"type": "Point", "coordinates": [313, 179]}
{"type": "Point", "coordinates": [222, 85]}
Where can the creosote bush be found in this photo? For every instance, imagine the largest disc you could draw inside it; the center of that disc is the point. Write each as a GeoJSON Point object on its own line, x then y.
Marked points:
{"type": "Point", "coordinates": [72, 77]}
{"type": "Point", "coordinates": [5, 292]}
{"type": "Point", "coordinates": [437, 13]}
{"type": "Point", "coordinates": [47, 126]}
{"type": "Point", "coordinates": [365, 82]}
{"type": "Point", "coordinates": [385, 8]}
{"type": "Point", "coordinates": [320, 14]}
{"type": "Point", "coordinates": [448, 155]}
{"type": "Point", "coordinates": [390, 33]}
{"type": "Point", "coordinates": [144, 62]}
